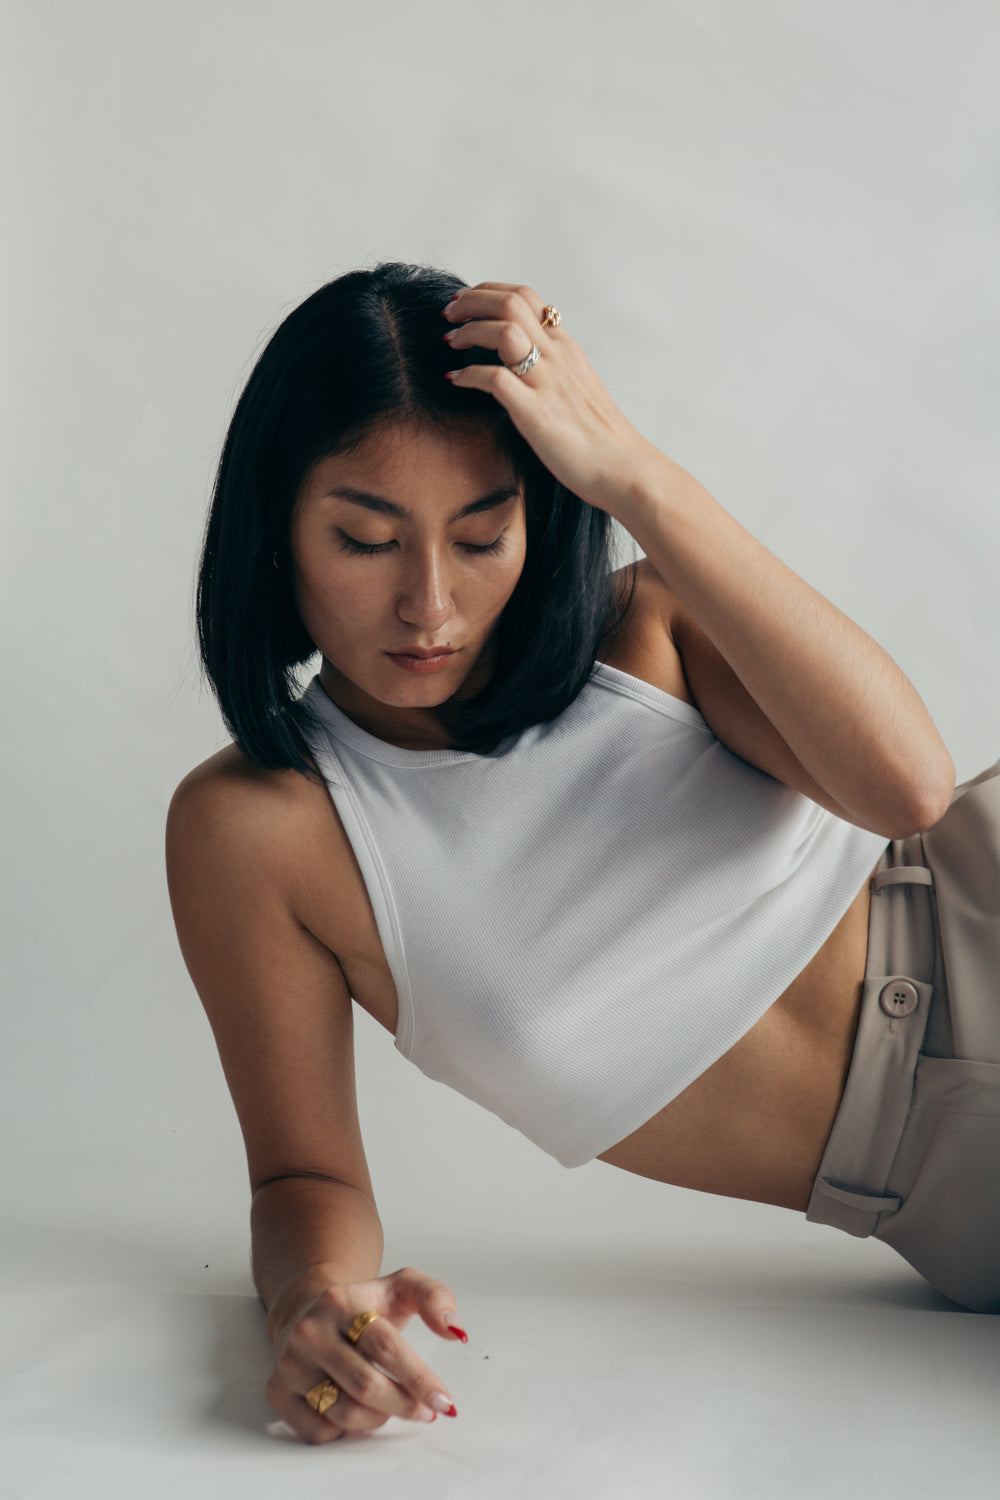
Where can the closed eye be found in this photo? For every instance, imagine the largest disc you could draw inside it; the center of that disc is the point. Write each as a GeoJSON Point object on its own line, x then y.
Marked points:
{"type": "Point", "coordinates": [366, 549]}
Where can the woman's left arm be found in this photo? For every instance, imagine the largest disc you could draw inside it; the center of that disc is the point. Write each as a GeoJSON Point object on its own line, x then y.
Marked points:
{"type": "Point", "coordinates": [753, 635]}
{"type": "Point", "coordinates": [784, 677]}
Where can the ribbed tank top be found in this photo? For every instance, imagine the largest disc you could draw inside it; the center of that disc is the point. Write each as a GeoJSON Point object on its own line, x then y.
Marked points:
{"type": "Point", "coordinates": [582, 921]}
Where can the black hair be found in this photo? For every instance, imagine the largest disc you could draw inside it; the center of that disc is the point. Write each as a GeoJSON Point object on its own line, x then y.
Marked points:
{"type": "Point", "coordinates": [362, 351]}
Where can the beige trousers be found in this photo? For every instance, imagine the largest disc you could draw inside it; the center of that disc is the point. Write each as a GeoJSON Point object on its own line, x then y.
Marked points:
{"type": "Point", "coordinates": [914, 1154]}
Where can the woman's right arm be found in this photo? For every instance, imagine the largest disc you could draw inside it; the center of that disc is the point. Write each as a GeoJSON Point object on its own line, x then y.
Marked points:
{"type": "Point", "coordinates": [281, 1014]}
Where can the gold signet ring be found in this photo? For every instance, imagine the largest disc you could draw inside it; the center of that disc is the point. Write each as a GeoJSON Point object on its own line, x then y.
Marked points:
{"type": "Point", "coordinates": [323, 1395]}
{"type": "Point", "coordinates": [359, 1325]}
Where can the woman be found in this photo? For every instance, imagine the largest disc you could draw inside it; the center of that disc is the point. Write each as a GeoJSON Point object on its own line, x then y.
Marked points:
{"type": "Point", "coordinates": [633, 858]}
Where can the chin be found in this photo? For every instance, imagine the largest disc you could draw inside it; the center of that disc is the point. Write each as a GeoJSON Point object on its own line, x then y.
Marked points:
{"type": "Point", "coordinates": [426, 696]}
{"type": "Point", "coordinates": [415, 692]}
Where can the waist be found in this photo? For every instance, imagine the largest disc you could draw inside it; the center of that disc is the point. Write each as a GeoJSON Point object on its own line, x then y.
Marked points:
{"type": "Point", "coordinates": [754, 1125]}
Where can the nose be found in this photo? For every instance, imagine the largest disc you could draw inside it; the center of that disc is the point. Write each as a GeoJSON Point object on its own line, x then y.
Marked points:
{"type": "Point", "coordinates": [425, 597]}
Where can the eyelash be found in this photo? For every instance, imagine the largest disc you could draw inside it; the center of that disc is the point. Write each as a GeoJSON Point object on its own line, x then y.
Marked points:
{"type": "Point", "coordinates": [348, 544]}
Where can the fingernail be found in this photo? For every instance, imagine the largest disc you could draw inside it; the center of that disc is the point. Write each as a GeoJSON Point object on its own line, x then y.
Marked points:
{"type": "Point", "coordinates": [450, 334]}
{"type": "Point", "coordinates": [423, 1415]}
{"type": "Point", "coordinates": [440, 1402]}
{"type": "Point", "coordinates": [458, 1332]}
{"type": "Point", "coordinates": [454, 295]}
{"type": "Point", "coordinates": [446, 312]}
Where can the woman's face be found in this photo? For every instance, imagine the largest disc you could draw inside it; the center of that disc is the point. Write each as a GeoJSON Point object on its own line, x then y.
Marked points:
{"type": "Point", "coordinates": [445, 513]}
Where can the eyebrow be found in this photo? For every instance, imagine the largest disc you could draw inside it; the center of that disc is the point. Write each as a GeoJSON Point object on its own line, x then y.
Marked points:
{"type": "Point", "coordinates": [389, 507]}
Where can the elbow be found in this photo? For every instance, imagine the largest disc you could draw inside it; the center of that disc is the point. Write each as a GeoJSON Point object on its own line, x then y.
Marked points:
{"type": "Point", "coordinates": [928, 801]}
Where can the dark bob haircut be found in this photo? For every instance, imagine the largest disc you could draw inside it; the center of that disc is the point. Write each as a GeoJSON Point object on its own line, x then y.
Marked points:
{"type": "Point", "coordinates": [363, 351]}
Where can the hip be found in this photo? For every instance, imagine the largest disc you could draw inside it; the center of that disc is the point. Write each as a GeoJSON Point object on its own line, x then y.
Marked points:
{"type": "Point", "coordinates": [914, 1154]}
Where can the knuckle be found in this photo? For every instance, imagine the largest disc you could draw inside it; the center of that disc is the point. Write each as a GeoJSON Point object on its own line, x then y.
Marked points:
{"type": "Point", "coordinates": [328, 1433]}
{"type": "Point", "coordinates": [363, 1385]}
{"type": "Point", "coordinates": [284, 1367]}
{"type": "Point", "coordinates": [305, 1333]}
{"type": "Point", "coordinates": [330, 1300]}
{"type": "Point", "coordinates": [379, 1340]}
{"type": "Point", "coordinates": [363, 1419]}
{"type": "Point", "coordinates": [342, 1415]}
{"type": "Point", "coordinates": [511, 306]}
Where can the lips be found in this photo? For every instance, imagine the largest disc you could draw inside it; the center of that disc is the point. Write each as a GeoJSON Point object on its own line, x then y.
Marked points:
{"type": "Point", "coordinates": [422, 661]}
{"type": "Point", "coordinates": [426, 653]}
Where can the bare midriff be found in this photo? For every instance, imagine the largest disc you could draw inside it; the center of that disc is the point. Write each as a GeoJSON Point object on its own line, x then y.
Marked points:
{"type": "Point", "coordinates": [755, 1124]}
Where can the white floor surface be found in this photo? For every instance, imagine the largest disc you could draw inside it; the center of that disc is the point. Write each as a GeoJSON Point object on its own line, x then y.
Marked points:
{"type": "Point", "coordinates": [737, 1353]}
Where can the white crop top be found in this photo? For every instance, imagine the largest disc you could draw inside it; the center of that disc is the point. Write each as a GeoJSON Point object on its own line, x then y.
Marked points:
{"type": "Point", "coordinates": [581, 922]}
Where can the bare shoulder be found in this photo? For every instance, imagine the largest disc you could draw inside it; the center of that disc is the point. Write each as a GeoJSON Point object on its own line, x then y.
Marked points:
{"type": "Point", "coordinates": [233, 827]}
{"type": "Point", "coordinates": [654, 601]}
{"type": "Point", "coordinates": [228, 786]}
{"type": "Point", "coordinates": [228, 800]}
{"type": "Point", "coordinates": [645, 646]}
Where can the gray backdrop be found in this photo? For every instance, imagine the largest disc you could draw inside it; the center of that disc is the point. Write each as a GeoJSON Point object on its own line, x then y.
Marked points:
{"type": "Point", "coordinates": [772, 226]}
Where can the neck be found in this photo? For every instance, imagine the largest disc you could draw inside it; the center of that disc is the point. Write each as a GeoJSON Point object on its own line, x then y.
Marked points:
{"type": "Point", "coordinates": [407, 728]}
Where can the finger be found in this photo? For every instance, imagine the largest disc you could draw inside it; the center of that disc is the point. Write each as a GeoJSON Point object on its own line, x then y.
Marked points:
{"type": "Point", "coordinates": [293, 1408]}
{"type": "Point", "coordinates": [347, 1416]}
{"type": "Point", "coordinates": [322, 1348]}
{"type": "Point", "coordinates": [527, 293]}
{"type": "Point", "coordinates": [366, 1383]}
{"type": "Point", "coordinates": [411, 1291]}
{"type": "Point", "coordinates": [512, 391]}
{"type": "Point", "coordinates": [511, 341]}
{"type": "Point", "coordinates": [295, 1379]}
{"type": "Point", "coordinates": [508, 304]}
{"type": "Point", "coordinates": [386, 1349]}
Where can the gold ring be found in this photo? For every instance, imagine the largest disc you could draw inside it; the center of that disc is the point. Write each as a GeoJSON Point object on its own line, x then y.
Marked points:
{"type": "Point", "coordinates": [359, 1325]}
{"type": "Point", "coordinates": [323, 1395]}
{"type": "Point", "coordinates": [550, 317]}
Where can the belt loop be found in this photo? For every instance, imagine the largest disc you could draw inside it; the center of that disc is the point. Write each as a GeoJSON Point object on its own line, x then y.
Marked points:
{"type": "Point", "coordinates": [902, 875]}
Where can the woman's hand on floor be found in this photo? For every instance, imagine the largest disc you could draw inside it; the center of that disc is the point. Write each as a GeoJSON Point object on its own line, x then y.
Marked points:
{"type": "Point", "coordinates": [378, 1377]}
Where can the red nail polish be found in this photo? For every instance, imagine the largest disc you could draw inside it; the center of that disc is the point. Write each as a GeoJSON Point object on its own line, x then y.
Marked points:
{"type": "Point", "coordinates": [459, 1332]}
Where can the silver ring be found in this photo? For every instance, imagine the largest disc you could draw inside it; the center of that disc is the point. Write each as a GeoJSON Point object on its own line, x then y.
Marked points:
{"type": "Point", "coordinates": [524, 365]}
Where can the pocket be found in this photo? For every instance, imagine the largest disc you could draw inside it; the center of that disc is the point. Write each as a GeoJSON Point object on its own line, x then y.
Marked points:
{"type": "Point", "coordinates": [946, 1172]}
{"type": "Point", "coordinates": [957, 1085]}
